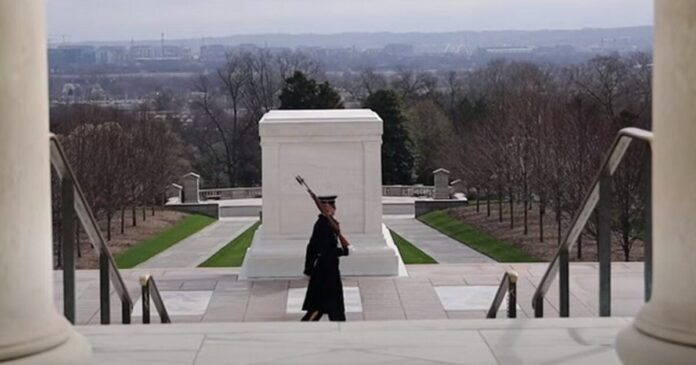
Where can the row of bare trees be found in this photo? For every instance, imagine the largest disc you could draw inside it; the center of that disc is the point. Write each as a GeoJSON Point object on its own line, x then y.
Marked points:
{"type": "Point", "coordinates": [121, 160]}
{"type": "Point", "coordinates": [537, 134]}
{"type": "Point", "coordinates": [529, 133]}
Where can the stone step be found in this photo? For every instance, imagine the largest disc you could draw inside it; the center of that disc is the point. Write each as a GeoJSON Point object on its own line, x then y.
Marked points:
{"type": "Point", "coordinates": [480, 342]}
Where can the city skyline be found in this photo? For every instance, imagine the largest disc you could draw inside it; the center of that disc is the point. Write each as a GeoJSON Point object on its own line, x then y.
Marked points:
{"type": "Point", "coordinates": [103, 20]}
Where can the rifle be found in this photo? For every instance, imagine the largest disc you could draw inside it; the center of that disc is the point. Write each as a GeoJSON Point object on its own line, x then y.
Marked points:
{"type": "Point", "coordinates": [322, 209]}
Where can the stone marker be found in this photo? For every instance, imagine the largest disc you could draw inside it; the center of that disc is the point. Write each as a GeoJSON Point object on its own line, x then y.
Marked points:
{"type": "Point", "coordinates": [191, 183]}
{"type": "Point", "coordinates": [441, 184]}
{"type": "Point", "coordinates": [337, 152]}
{"type": "Point", "coordinates": [173, 191]}
{"type": "Point", "coordinates": [457, 186]}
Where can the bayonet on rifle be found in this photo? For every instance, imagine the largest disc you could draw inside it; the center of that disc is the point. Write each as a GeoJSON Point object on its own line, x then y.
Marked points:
{"type": "Point", "coordinates": [322, 209]}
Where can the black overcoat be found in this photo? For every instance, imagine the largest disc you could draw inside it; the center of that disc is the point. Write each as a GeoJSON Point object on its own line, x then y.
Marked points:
{"type": "Point", "coordinates": [325, 291]}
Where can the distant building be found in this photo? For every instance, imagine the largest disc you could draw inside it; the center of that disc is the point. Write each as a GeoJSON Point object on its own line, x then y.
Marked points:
{"type": "Point", "coordinates": [398, 49]}
{"type": "Point", "coordinates": [214, 53]}
{"type": "Point", "coordinates": [171, 53]}
{"type": "Point", "coordinates": [66, 56]}
{"type": "Point", "coordinates": [506, 51]}
{"type": "Point", "coordinates": [245, 47]}
{"type": "Point", "coordinates": [112, 55]}
{"type": "Point", "coordinates": [71, 92]}
{"type": "Point", "coordinates": [96, 92]}
{"type": "Point", "coordinates": [139, 52]}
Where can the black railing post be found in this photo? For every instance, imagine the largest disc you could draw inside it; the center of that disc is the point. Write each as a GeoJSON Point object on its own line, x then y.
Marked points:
{"type": "Point", "coordinates": [512, 296]}
{"type": "Point", "coordinates": [145, 298]}
{"type": "Point", "coordinates": [564, 283]}
{"type": "Point", "coordinates": [647, 240]}
{"type": "Point", "coordinates": [125, 312]}
{"type": "Point", "coordinates": [68, 242]}
{"type": "Point", "coordinates": [104, 289]}
{"type": "Point", "coordinates": [539, 307]}
{"type": "Point", "coordinates": [604, 244]}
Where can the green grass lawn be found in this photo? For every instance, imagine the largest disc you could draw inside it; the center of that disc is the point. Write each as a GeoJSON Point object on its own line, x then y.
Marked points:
{"type": "Point", "coordinates": [479, 241]}
{"type": "Point", "coordinates": [410, 253]}
{"type": "Point", "coordinates": [163, 240]}
{"type": "Point", "coordinates": [232, 255]}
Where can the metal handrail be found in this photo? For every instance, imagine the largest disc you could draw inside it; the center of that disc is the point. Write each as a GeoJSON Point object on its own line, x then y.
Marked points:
{"type": "Point", "coordinates": [89, 223]}
{"type": "Point", "coordinates": [508, 285]}
{"type": "Point", "coordinates": [149, 290]}
{"type": "Point", "coordinates": [610, 163]}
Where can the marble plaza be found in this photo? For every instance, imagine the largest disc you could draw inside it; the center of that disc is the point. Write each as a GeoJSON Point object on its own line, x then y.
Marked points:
{"type": "Point", "coordinates": [473, 342]}
{"type": "Point", "coordinates": [429, 292]}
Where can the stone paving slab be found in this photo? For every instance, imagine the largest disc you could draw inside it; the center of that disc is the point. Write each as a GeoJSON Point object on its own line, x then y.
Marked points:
{"type": "Point", "coordinates": [351, 295]}
{"type": "Point", "coordinates": [480, 342]}
{"type": "Point", "coordinates": [195, 249]}
{"type": "Point", "coordinates": [440, 247]}
{"type": "Point", "coordinates": [381, 298]}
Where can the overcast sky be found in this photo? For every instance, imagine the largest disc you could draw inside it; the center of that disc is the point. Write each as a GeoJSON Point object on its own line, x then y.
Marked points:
{"type": "Point", "coordinates": [80, 20]}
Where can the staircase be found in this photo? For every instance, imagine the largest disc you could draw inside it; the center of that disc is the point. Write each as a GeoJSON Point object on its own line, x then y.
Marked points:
{"type": "Point", "coordinates": [74, 205]}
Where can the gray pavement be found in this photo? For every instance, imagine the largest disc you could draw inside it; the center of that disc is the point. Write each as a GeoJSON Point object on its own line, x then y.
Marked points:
{"type": "Point", "coordinates": [443, 249]}
{"type": "Point", "coordinates": [429, 292]}
{"type": "Point", "coordinates": [198, 247]}
{"type": "Point", "coordinates": [474, 342]}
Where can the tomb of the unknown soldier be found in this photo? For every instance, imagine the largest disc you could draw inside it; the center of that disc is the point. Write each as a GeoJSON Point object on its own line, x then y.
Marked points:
{"type": "Point", "coordinates": [337, 152]}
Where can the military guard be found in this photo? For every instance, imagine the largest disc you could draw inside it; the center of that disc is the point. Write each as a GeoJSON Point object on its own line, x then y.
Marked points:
{"type": "Point", "coordinates": [325, 290]}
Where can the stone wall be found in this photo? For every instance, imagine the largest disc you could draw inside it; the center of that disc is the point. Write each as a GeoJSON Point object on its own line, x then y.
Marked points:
{"type": "Point", "coordinates": [425, 206]}
{"type": "Point", "coordinates": [210, 209]}
{"type": "Point", "coordinates": [230, 193]}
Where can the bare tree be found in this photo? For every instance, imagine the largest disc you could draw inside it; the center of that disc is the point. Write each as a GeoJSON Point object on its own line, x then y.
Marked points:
{"type": "Point", "coordinates": [229, 105]}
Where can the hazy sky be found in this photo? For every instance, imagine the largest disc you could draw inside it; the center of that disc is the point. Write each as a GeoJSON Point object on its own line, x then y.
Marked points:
{"type": "Point", "coordinates": [80, 20]}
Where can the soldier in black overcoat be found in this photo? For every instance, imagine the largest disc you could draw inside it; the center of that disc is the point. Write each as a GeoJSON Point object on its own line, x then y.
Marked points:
{"type": "Point", "coordinates": [325, 290]}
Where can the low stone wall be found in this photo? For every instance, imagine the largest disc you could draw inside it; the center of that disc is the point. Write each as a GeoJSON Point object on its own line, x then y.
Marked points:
{"type": "Point", "coordinates": [425, 206]}
{"type": "Point", "coordinates": [230, 193]}
{"type": "Point", "coordinates": [240, 210]}
{"type": "Point", "coordinates": [408, 190]}
{"type": "Point", "coordinates": [255, 192]}
{"type": "Point", "coordinates": [210, 209]}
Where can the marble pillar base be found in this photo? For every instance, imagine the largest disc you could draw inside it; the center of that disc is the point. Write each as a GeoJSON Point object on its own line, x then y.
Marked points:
{"type": "Point", "coordinates": [283, 257]}
{"type": "Point", "coordinates": [636, 348]}
{"type": "Point", "coordinates": [75, 351]}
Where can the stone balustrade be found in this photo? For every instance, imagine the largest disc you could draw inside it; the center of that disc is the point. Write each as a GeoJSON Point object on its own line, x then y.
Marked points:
{"type": "Point", "coordinates": [408, 190]}
{"type": "Point", "coordinates": [230, 193]}
{"type": "Point", "coordinates": [191, 188]}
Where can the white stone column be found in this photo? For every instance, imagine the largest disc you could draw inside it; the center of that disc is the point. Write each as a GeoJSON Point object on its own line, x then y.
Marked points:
{"type": "Point", "coordinates": [31, 330]}
{"type": "Point", "coordinates": [664, 332]}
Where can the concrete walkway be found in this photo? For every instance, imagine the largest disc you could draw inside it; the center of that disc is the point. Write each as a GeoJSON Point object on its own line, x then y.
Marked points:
{"type": "Point", "coordinates": [443, 249]}
{"type": "Point", "coordinates": [198, 247]}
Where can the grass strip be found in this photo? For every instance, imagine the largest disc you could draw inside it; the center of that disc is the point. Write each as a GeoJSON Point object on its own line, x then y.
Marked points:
{"type": "Point", "coordinates": [150, 247]}
{"type": "Point", "coordinates": [410, 253]}
{"type": "Point", "coordinates": [488, 245]}
{"type": "Point", "coordinates": [232, 254]}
